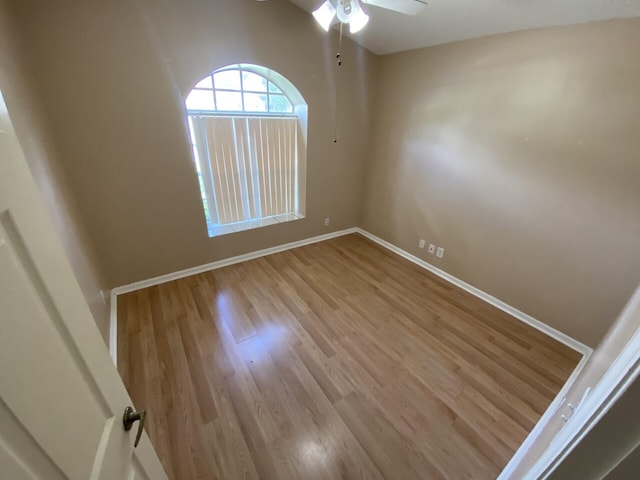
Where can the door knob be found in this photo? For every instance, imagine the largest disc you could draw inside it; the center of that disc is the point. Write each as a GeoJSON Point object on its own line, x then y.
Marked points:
{"type": "Point", "coordinates": [130, 417]}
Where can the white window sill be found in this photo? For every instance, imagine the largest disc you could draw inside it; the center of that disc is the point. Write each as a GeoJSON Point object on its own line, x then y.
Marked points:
{"type": "Point", "coordinates": [218, 230]}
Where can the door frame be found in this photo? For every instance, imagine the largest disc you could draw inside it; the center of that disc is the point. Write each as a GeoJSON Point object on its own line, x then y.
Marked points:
{"type": "Point", "coordinates": [620, 374]}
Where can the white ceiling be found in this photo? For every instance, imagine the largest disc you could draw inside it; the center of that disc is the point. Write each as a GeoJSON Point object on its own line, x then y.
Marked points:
{"type": "Point", "coordinates": [444, 21]}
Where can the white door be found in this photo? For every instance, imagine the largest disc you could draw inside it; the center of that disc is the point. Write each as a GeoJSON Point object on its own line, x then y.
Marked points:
{"type": "Point", "coordinates": [61, 399]}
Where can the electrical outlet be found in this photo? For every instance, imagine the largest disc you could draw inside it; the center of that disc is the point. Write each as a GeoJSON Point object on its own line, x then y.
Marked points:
{"type": "Point", "coordinates": [421, 244]}
{"type": "Point", "coordinates": [327, 221]}
{"type": "Point", "coordinates": [440, 252]}
{"type": "Point", "coordinates": [432, 248]}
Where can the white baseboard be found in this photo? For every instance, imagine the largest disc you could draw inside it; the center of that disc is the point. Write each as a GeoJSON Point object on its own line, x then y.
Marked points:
{"type": "Point", "coordinates": [113, 320]}
{"type": "Point", "coordinates": [514, 312]}
{"type": "Point", "coordinates": [570, 342]}
{"type": "Point", "coordinates": [227, 261]}
{"type": "Point", "coordinates": [552, 332]}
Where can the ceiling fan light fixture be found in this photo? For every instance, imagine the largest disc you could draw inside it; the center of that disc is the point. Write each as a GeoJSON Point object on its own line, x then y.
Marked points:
{"type": "Point", "coordinates": [325, 14]}
{"type": "Point", "coordinates": [346, 10]}
{"type": "Point", "coordinates": [358, 22]}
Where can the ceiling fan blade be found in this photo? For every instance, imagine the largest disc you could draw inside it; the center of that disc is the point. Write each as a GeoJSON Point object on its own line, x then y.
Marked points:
{"type": "Point", "coordinates": [408, 7]}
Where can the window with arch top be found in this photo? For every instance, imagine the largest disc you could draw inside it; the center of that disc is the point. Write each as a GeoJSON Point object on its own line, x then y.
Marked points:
{"type": "Point", "coordinates": [248, 131]}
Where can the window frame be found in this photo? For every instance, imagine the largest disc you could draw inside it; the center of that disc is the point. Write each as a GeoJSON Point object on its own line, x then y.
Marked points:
{"type": "Point", "coordinates": [297, 108]}
{"type": "Point", "coordinates": [240, 69]}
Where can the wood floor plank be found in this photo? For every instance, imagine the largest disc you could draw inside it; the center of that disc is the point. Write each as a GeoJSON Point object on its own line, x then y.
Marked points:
{"type": "Point", "coordinates": [396, 456]}
{"type": "Point", "coordinates": [334, 360]}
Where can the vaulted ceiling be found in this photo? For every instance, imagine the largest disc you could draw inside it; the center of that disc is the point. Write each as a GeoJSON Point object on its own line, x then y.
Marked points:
{"type": "Point", "coordinates": [444, 21]}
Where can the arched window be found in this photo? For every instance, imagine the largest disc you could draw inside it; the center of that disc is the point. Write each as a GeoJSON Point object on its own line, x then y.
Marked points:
{"type": "Point", "coordinates": [248, 129]}
{"type": "Point", "coordinates": [238, 89]}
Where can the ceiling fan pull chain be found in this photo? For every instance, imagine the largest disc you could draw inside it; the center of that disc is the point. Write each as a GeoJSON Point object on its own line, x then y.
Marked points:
{"type": "Point", "coordinates": [339, 56]}
{"type": "Point", "coordinates": [339, 60]}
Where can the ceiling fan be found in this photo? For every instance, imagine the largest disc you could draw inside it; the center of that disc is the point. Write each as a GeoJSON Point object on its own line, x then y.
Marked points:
{"type": "Point", "coordinates": [351, 12]}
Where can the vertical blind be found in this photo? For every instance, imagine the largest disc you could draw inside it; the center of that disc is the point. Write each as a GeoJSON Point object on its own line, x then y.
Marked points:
{"type": "Point", "coordinates": [248, 165]}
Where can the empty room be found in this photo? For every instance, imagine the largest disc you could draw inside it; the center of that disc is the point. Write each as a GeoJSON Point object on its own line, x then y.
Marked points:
{"type": "Point", "coordinates": [309, 239]}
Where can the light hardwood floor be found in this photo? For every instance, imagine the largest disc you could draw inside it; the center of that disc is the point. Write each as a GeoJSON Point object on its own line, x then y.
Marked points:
{"type": "Point", "coordinates": [334, 360]}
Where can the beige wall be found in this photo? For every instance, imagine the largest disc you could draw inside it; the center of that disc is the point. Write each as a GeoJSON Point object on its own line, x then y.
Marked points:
{"type": "Point", "coordinates": [518, 153]}
{"type": "Point", "coordinates": [113, 79]}
{"type": "Point", "coordinates": [43, 159]}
